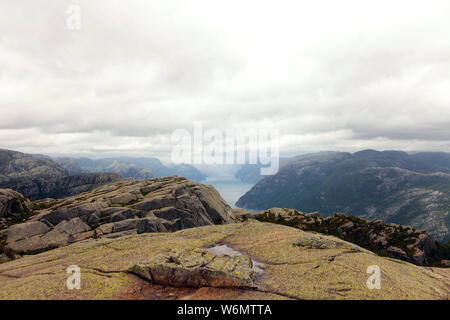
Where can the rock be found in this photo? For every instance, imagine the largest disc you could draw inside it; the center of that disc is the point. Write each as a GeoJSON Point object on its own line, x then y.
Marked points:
{"type": "Point", "coordinates": [147, 225]}
{"type": "Point", "coordinates": [445, 263]}
{"type": "Point", "coordinates": [156, 202]}
{"type": "Point", "coordinates": [316, 241]}
{"type": "Point", "coordinates": [197, 268]}
{"type": "Point", "coordinates": [82, 236]}
{"type": "Point", "coordinates": [124, 225]}
{"type": "Point", "coordinates": [397, 252]}
{"type": "Point", "coordinates": [4, 258]}
{"type": "Point", "coordinates": [171, 213]}
{"type": "Point", "coordinates": [25, 230]}
{"type": "Point", "coordinates": [289, 271]}
{"type": "Point", "coordinates": [178, 224]}
{"type": "Point", "coordinates": [35, 236]}
{"type": "Point", "coordinates": [28, 245]}
{"type": "Point", "coordinates": [419, 257]}
{"type": "Point", "coordinates": [392, 239]}
{"type": "Point", "coordinates": [93, 219]}
{"type": "Point", "coordinates": [67, 213]}
{"type": "Point", "coordinates": [115, 235]}
{"type": "Point", "coordinates": [13, 205]}
{"type": "Point", "coordinates": [169, 204]}
{"type": "Point", "coordinates": [125, 214]}
{"type": "Point", "coordinates": [124, 199]}
{"type": "Point", "coordinates": [73, 227]}
{"type": "Point", "coordinates": [53, 239]}
{"type": "Point", "coordinates": [105, 229]}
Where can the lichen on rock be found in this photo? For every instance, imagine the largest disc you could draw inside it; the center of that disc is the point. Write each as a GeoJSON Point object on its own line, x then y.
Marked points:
{"type": "Point", "coordinates": [197, 268]}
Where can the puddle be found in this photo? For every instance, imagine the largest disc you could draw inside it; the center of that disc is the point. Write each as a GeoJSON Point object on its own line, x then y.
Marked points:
{"type": "Point", "coordinates": [224, 249]}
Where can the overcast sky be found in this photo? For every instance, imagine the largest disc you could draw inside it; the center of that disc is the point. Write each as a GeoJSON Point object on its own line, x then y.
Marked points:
{"type": "Point", "coordinates": [329, 75]}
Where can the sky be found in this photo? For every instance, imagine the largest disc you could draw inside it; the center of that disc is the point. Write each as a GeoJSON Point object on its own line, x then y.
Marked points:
{"type": "Point", "coordinates": [327, 75]}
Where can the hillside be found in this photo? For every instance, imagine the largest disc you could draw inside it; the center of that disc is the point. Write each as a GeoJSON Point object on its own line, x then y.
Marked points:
{"type": "Point", "coordinates": [38, 177]}
{"type": "Point", "coordinates": [392, 186]}
{"type": "Point", "coordinates": [252, 172]}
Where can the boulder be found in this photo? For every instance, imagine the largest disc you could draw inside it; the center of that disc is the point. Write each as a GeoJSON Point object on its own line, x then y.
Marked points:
{"type": "Point", "coordinates": [147, 225]}
{"type": "Point", "coordinates": [74, 226]}
{"type": "Point", "coordinates": [13, 204]}
{"type": "Point", "coordinates": [81, 211]}
{"type": "Point", "coordinates": [25, 230]}
{"type": "Point", "coordinates": [35, 236]}
{"type": "Point", "coordinates": [124, 225]}
{"type": "Point", "coordinates": [125, 214]}
{"type": "Point", "coordinates": [124, 199]}
{"type": "Point", "coordinates": [105, 229]}
{"type": "Point", "coordinates": [396, 252]}
{"type": "Point", "coordinates": [315, 241]}
{"type": "Point", "coordinates": [155, 203]}
{"type": "Point", "coordinates": [197, 268]}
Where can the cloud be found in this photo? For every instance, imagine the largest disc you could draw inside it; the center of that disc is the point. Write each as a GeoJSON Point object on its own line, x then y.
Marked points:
{"type": "Point", "coordinates": [328, 75]}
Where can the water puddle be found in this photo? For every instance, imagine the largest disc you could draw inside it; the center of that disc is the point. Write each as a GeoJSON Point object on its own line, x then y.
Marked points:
{"type": "Point", "coordinates": [224, 249]}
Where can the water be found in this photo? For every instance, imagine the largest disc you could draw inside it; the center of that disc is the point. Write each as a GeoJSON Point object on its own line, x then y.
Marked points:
{"type": "Point", "coordinates": [230, 188]}
{"type": "Point", "coordinates": [258, 267]}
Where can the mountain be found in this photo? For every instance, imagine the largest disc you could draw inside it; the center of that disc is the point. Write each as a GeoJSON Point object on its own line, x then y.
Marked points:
{"type": "Point", "coordinates": [129, 167]}
{"type": "Point", "coordinates": [252, 172]}
{"type": "Point", "coordinates": [126, 170]}
{"type": "Point", "coordinates": [38, 177]}
{"type": "Point", "coordinates": [408, 189]}
{"type": "Point", "coordinates": [160, 170]}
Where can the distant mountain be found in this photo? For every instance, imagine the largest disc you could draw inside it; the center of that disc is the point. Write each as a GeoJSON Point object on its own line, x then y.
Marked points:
{"type": "Point", "coordinates": [38, 177]}
{"type": "Point", "coordinates": [408, 189]}
{"type": "Point", "coordinates": [128, 167]}
{"type": "Point", "coordinates": [252, 172]}
{"type": "Point", "coordinates": [160, 170]}
{"type": "Point", "coordinates": [85, 165]}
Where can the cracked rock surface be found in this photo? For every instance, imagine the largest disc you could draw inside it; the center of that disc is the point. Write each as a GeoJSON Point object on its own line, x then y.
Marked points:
{"type": "Point", "coordinates": [290, 272]}
{"type": "Point", "coordinates": [197, 268]}
{"type": "Point", "coordinates": [117, 209]}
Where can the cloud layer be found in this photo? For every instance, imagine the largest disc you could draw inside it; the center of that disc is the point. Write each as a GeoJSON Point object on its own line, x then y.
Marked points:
{"type": "Point", "coordinates": [333, 75]}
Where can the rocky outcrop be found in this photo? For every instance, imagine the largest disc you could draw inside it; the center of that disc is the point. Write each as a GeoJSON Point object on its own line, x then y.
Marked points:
{"type": "Point", "coordinates": [79, 183]}
{"type": "Point", "coordinates": [13, 207]}
{"type": "Point", "coordinates": [387, 239]}
{"type": "Point", "coordinates": [122, 208]}
{"type": "Point", "coordinates": [197, 268]}
{"type": "Point", "coordinates": [289, 271]}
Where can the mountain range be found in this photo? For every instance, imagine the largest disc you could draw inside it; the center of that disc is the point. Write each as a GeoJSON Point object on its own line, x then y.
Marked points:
{"type": "Point", "coordinates": [38, 176]}
{"type": "Point", "coordinates": [128, 167]}
{"type": "Point", "coordinates": [394, 186]}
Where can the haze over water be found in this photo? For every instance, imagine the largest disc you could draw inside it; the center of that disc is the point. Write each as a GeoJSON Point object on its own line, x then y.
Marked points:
{"type": "Point", "coordinates": [230, 188]}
